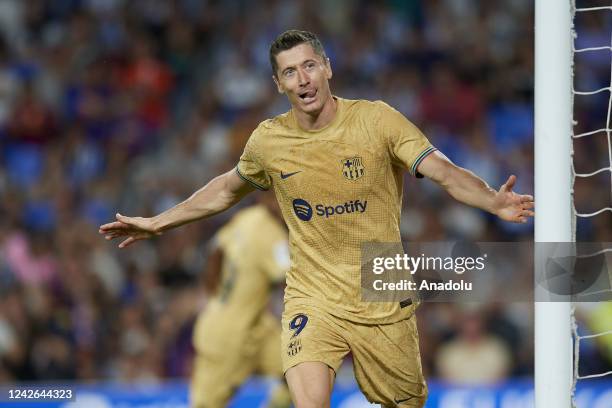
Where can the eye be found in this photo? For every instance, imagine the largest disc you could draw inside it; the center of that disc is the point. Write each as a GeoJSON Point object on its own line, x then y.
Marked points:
{"type": "Point", "coordinates": [288, 73]}
{"type": "Point", "coordinates": [310, 66]}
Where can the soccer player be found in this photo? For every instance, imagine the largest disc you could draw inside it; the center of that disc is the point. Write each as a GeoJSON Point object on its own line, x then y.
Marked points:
{"type": "Point", "coordinates": [235, 335]}
{"type": "Point", "coordinates": [336, 168]}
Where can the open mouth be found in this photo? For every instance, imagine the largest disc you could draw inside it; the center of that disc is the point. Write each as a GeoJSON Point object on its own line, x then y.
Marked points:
{"type": "Point", "coordinates": [308, 96]}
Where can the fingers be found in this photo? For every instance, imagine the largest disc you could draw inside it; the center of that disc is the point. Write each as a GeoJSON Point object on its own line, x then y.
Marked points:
{"type": "Point", "coordinates": [509, 184]}
{"type": "Point", "coordinates": [133, 237]}
{"type": "Point", "coordinates": [129, 241]}
{"type": "Point", "coordinates": [518, 208]}
{"type": "Point", "coordinates": [527, 204]}
{"type": "Point", "coordinates": [123, 223]}
{"type": "Point", "coordinates": [109, 226]}
{"type": "Point", "coordinates": [113, 226]}
{"type": "Point", "coordinates": [522, 217]}
{"type": "Point", "coordinates": [132, 228]}
{"type": "Point", "coordinates": [123, 218]}
{"type": "Point", "coordinates": [114, 234]}
{"type": "Point", "coordinates": [520, 202]}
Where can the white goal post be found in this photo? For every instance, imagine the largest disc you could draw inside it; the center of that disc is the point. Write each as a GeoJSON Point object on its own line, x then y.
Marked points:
{"type": "Point", "coordinates": [553, 179]}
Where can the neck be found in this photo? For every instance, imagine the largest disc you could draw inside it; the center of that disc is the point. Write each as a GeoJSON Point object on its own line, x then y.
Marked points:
{"type": "Point", "coordinates": [319, 119]}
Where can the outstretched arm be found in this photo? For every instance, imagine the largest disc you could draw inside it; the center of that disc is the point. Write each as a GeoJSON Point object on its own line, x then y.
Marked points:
{"type": "Point", "coordinates": [218, 195]}
{"type": "Point", "coordinates": [465, 186]}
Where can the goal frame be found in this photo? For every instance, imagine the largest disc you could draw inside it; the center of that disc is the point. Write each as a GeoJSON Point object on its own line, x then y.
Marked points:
{"type": "Point", "coordinates": [553, 192]}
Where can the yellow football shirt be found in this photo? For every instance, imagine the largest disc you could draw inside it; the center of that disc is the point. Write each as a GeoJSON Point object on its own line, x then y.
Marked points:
{"type": "Point", "coordinates": [337, 187]}
{"type": "Point", "coordinates": [255, 255]}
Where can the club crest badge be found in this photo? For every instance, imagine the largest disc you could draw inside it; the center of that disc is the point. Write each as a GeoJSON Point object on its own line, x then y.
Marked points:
{"type": "Point", "coordinates": [352, 168]}
{"type": "Point", "coordinates": [294, 347]}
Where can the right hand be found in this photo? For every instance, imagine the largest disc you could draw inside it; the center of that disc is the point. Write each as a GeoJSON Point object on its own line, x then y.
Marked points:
{"type": "Point", "coordinates": [134, 228]}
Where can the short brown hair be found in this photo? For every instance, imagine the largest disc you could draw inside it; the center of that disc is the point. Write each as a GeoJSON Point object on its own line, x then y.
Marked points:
{"type": "Point", "coordinates": [290, 39]}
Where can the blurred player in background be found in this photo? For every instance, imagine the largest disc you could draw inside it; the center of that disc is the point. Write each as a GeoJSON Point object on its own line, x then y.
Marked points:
{"type": "Point", "coordinates": [236, 335]}
{"type": "Point", "coordinates": [336, 167]}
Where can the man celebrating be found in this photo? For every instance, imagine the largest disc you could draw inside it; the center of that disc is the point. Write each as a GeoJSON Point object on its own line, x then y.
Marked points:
{"type": "Point", "coordinates": [335, 166]}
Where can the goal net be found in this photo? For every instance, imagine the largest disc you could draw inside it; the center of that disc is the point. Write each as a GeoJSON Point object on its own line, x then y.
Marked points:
{"type": "Point", "coordinates": [591, 176]}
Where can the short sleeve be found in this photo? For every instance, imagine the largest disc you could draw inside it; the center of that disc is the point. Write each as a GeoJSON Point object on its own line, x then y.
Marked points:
{"type": "Point", "coordinates": [277, 262]}
{"type": "Point", "coordinates": [407, 145]}
{"type": "Point", "coordinates": [250, 167]}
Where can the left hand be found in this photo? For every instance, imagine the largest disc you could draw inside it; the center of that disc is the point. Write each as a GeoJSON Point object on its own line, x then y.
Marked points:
{"type": "Point", "coordinates": [510, 206]}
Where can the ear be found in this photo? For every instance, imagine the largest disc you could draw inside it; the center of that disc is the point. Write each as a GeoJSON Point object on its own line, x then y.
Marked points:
{"type": "Point", "coordinates": [279, 87]}
{"type": "Point", "coordinates": [328, 70]}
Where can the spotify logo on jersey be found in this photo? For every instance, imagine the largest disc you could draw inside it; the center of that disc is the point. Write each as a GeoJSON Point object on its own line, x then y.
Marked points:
{"type": "Point", "coordinates": [302, 209]}
{"type": "Point", "coordinates": [304, 212]}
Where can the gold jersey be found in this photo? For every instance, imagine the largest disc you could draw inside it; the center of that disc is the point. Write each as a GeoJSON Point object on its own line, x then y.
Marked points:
{"type": "Point", "coordinates": [337, 187]}
{"type": "Point", "coordinates": [255, 255]}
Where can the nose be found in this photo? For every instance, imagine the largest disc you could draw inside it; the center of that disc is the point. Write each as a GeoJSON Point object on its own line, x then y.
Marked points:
{"type": "Point", "coordinates": [303, 78]}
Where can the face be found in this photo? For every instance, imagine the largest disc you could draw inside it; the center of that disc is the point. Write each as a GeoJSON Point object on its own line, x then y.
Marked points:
{"type": "Point", "coordinates": [303, 76]}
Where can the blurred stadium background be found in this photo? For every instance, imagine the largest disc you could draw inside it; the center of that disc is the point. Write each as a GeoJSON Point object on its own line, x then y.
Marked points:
{"type": "Point", "coordinates": [117, 105]}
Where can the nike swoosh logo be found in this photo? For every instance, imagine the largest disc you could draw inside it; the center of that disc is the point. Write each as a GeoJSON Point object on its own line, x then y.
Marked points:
{"type": "Point", "coordinates": [402, 400]}
{"type": "Point", "coordinates": [287, 175]}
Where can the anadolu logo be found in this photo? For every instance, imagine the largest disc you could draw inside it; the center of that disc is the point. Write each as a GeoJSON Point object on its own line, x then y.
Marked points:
{"type": "Point", "coordinates": [302, 209]}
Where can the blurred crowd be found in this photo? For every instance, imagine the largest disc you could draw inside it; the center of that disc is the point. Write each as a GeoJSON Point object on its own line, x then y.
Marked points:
{"type": "Point", "coordinates": [129, 106]}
